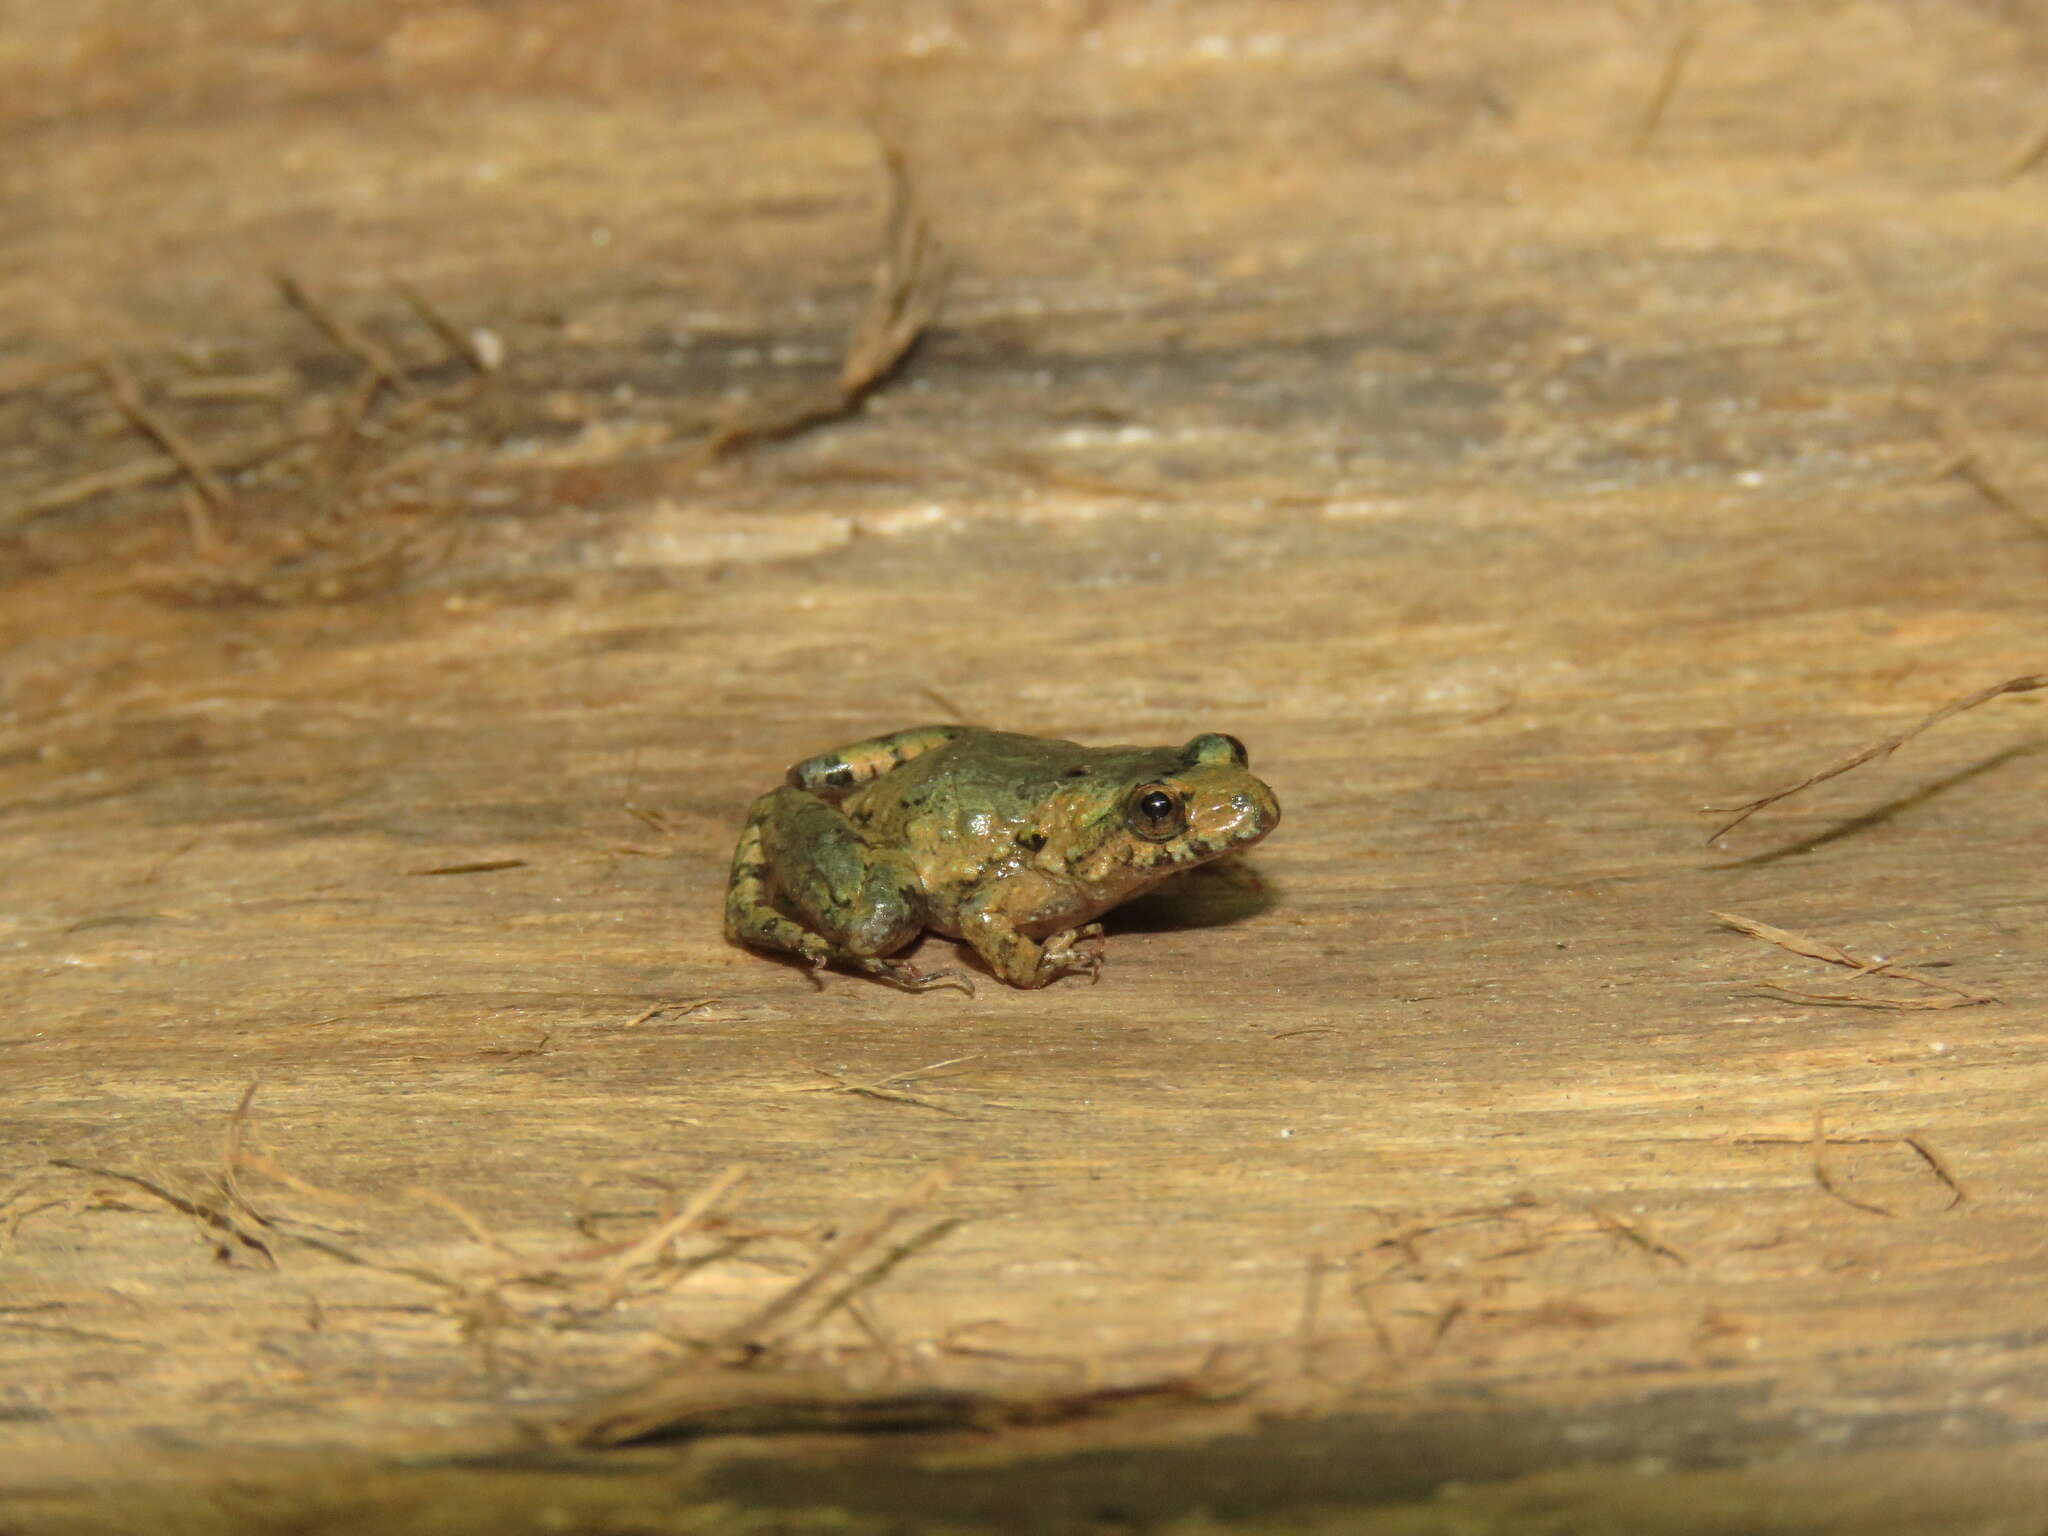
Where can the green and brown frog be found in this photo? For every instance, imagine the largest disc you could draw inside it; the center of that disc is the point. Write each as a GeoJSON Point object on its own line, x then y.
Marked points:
{"type": "Point", "coordinates": [1013, 843]}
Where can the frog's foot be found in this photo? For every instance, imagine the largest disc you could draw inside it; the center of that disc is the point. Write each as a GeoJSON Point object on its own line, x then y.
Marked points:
{"type": "Point", "coordinates": [1071, 953]}
{"type": "Point", "coordinates": [901, 973]}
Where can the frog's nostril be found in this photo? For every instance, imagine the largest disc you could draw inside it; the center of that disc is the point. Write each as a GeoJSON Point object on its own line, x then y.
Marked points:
{"type": "Point", "coordinates": [1252, 814]}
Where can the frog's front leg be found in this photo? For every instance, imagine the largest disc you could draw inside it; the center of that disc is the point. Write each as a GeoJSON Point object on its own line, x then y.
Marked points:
{"type": "Point", "coordinates": [1076, 950]}
{"type": "Point", "coordinates": [804, 882]}
{"type": "Point", "coordinates": [1020, 959]}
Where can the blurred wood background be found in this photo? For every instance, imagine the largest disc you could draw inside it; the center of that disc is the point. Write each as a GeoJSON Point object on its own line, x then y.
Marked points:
{"type": "Point", "coordinates": [1521, 424]}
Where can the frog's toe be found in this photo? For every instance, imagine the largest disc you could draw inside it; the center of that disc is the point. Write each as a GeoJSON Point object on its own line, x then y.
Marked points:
{"type": "Point", "coordinates": [1071, 954]}
{"type": "Point", "coordinates": [1081, 963]}
{"type": "Point", "coordinates": [901, 973]}
{"type": "Point", "coordinates": [929, 979]}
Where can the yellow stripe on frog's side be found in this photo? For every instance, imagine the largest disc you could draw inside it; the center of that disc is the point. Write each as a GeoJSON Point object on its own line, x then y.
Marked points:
{"type": "Point", "coordinates": [834, 775]}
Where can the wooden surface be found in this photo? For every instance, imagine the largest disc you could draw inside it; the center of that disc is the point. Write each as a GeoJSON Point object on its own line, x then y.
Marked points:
{"type": "Point", "coordinates": [1516, 424]}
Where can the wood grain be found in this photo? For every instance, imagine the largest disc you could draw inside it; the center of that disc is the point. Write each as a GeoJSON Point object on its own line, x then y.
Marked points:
{"type": "Point", "coordinates": [1343, 380]}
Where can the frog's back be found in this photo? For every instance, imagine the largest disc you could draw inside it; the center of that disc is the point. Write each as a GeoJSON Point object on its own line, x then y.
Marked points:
{"type": "Point", "coordinates": [984, 785]}
{"type": "Point", "coordinates": [1007, 772]}
{"type": "Point", "coordinates": [977, 771]}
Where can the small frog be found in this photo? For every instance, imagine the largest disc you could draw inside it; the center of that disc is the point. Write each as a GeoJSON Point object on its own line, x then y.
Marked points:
{"type": "Point", "coordinates": [1013, 843]}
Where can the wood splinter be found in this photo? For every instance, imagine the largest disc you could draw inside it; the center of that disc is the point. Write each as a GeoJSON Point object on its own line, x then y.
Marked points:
{"type": "Point", "coordinates": [213, 497]}
{"type": "Point", "coordinates": [1738, 814]}
{"type": "Point", "coordinates": [909, 288]}
{"type": "Point", "coordinates": [382, 366]}
{"type": "Point", "coordinates": [1876, 965]}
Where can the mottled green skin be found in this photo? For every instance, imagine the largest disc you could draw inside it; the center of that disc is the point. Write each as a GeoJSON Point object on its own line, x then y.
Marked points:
{"type": "Point", "coordinates": [1012, 843]}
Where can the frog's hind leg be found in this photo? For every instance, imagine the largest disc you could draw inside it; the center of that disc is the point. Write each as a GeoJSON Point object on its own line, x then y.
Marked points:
{"type": "Point", "coordinates": [751, 916]}
{"type": "Point", "coordinates": [834, 775]}
{"type": "Point", "coordinates": [804, 882]}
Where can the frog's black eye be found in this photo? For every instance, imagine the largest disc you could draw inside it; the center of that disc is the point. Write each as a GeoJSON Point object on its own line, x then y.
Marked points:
{"type": "Point", "coordinates": [1215, 747]}
{"type": "Point", "coordinates": [1155, 813]}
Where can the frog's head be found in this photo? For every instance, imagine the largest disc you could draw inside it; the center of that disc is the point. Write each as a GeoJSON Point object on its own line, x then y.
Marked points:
{"type": "Point", "coordinates": [1187, 808]}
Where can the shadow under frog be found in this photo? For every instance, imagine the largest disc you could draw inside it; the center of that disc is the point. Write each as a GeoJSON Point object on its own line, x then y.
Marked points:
{"type": "Point", "coordinates": [1015, 844]}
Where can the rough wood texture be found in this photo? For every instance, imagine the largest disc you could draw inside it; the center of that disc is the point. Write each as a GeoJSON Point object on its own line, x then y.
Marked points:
{"type": "Point", "coordinates": [1521, 425]}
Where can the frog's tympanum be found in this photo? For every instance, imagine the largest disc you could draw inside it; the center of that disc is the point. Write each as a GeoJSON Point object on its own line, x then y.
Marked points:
{"type": "Point", "coordinates": [1013, 843]}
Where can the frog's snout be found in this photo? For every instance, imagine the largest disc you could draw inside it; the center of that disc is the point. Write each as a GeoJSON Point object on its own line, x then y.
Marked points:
{"type": "Point", "coordinates": [1261, 811]}
{"type": "Point", "coordinates": [1235, 819]}
{"type": "Point", "coordinates": [1272, 810]}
